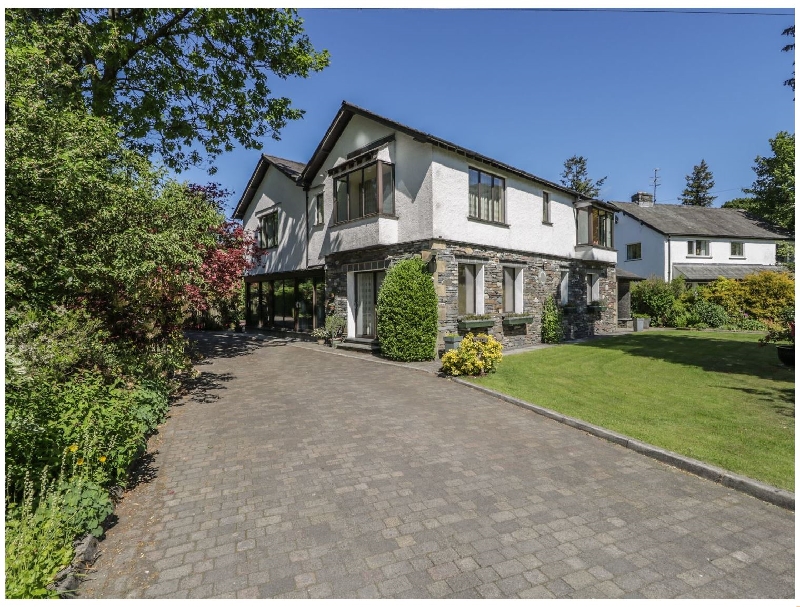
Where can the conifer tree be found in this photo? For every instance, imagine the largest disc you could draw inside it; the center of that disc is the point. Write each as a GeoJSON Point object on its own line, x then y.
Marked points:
{"type": "Point", "coordinates": [698, 187]}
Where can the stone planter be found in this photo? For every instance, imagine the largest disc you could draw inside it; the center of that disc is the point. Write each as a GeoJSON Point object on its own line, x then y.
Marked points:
{"type": "Point", "coordinates": [451, 342]}
{"type": "Point", "coordinates": [482, 323]}
{"type": "Point", "coordinates": [786, 354]}
{"type": "Point", "coordinates": [321, 341]}
{"type": "Point", "coordinates": [640, 324]}
{"type": "Point", "coordinates": [517, 320]}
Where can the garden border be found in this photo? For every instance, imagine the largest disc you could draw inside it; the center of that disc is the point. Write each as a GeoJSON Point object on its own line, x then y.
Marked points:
{"type": "Point", "coordinates": [768, 493]}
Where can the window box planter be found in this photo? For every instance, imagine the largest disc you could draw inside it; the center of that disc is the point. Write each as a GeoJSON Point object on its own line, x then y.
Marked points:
{"type": "Point", "coordinates": [452, 342]}
{"type": "Point", "coordinates": [596, 307]}
{"type": "Point", "coordinates": [570, 308]}
{"type": "Point", "coordinates": [518, 320]}
{"type": "Point", "coordinates": [475, 323]}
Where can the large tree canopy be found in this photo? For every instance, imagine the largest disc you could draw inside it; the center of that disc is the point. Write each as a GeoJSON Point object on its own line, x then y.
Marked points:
{"type": "Point", "coordinates": [773, 188]}
{"type": "Point", "coordinates": [576, 176]}
{"type": "Point", "coordinates": [180, 82]}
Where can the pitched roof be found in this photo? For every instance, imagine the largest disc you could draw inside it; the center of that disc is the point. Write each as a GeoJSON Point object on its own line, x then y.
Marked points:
{"type": "Point", "coordinates": [290, 168]}
{"type": "Point", "coordinates": [348, 110]}
{"type": "Point", "coordinates": [712, 271]}
{"type": "Point", "coordinates": [686, 220]}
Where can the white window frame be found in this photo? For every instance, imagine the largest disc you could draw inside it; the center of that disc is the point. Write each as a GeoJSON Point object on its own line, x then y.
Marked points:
{"type": "Point", "coordinates": [741, 245]}
{"type": "Point", "coordinates": [564, 287]}
{"type": "Point", "coordinates": [319, 205]}
{"type": "Point", "coordinates": [628, 251]}
{"type": "Point", "coordinates": [478, 291]}
{"type": "Point", "coordinates": [263, 231]}
{"type": "Point", "coordinates": [518, 284]}
{"type": "Point", "coordinates": [592, 287]}
{"type": "Point", "coordinates": [693, 245]}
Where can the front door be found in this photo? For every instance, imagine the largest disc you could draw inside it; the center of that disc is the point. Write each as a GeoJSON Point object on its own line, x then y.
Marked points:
{"type": "Point", "coordinates": [367, 286]}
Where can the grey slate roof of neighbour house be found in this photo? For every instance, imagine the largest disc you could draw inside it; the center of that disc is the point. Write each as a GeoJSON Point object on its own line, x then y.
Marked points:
{"type": "Point", "coordinates": [625, 275]}
{"type": "Point", "coordinates": [712, 271]}
{"type": "Point", "coordinates": [685, 220]}
{"type": "Point", "coordinates": [290, 168]}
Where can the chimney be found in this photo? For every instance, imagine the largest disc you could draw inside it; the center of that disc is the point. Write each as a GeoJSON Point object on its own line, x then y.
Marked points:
{"type": "Point", "coordinates": [643, 199]}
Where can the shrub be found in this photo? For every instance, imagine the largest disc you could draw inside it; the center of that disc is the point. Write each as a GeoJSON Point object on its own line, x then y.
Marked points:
{"type": "Point", "coordinates": [759, 296]}
{"type": "Point", "coordinates": [709, 313]}
{"type": "Point", "coordinates": [335, 326]}
{"type": "Point", "coordinates": [655, 297]}
{"type": "Point", "coordinates": [408, 312]}
{"type": "Point", "coordinates": [475, 356]}
{"type": "Point", "coordinates": [552, 329]}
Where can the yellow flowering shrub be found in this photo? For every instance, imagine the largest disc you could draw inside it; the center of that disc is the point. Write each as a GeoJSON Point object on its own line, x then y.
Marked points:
{"type": "Point", "coordinates": [475, 356]}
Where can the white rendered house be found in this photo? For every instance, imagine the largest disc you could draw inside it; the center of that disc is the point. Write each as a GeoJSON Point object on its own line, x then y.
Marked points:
{"type": "Point", "coordinates": [499, 240]}
{"type": "Point", "coordinates": [698, 243]}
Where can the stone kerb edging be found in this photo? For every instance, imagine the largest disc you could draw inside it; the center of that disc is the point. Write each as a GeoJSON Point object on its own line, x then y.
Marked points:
{"type": "Point", "coordinates": [762, 491]}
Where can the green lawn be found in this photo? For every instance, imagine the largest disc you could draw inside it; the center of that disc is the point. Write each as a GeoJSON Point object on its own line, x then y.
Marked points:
{"type": "Point", "coordinates": [717, 397]}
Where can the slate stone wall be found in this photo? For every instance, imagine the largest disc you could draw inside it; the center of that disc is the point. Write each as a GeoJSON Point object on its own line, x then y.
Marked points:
{"type": "Point", "coordinates": [541, 276]}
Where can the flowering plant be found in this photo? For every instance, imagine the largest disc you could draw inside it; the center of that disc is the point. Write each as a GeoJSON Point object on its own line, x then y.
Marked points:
{"type": "Point", "coordinates": [781, 329]}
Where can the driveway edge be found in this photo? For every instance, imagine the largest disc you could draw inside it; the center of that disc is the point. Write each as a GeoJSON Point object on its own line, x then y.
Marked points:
{"type": "Point", "coordinates": [762, 491]}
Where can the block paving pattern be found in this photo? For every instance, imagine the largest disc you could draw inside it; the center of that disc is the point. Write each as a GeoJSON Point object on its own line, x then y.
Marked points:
{"type": "Point", "coordinates": [291, 472]}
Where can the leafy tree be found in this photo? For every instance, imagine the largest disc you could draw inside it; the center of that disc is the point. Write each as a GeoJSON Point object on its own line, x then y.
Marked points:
{"type": "Point", "coordinates": [698, 187]}
{"type": "Point", "coordinates": [789, 31]}
{"type": "Point", "coordinates": [576, 177]}
{"type": "Point", "coordinates": [738, 203]}
{"type": "Point", "coordinates": [773, 188]}
{"type": "Point", "coordinates": [174, 79]}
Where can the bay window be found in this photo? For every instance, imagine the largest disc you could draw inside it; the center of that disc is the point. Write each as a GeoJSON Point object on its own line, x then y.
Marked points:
{"type": "Point", "coordinates": [366, 191]}
{"type": "Point", "coordinates": [596, 227]}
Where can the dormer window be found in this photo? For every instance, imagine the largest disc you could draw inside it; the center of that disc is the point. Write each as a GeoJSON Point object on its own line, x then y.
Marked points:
{"type": "Point", "coordinates": [368, 190]}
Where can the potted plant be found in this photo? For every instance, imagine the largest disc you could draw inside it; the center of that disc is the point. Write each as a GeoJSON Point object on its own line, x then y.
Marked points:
{"type": "Point", "coordinates": [641, 322]}
{"type": "Point", "coordinates": [780, 331]}
{"type": "Point", "coordinates": [475, 321]}
{"type": "Point", "coordinates": [517, 318]}
{"type": "Point", "coordinates": [452, 341]}
{"type": "Point", "coordinates": [321, 334]}
{"type": "Point", "coordinates": [335, 326]}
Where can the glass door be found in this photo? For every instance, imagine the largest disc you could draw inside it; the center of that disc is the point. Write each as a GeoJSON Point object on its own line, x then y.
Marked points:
{"type": "Point", "coordinates": [368, 285]}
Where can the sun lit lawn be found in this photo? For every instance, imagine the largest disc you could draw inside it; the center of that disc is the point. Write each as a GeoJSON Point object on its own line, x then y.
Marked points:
{"type": "Point", "coordinates": [717, 397]}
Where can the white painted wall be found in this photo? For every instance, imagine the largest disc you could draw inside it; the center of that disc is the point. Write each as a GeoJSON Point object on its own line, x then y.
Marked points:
{"type": "Point", "coordinates": [412, 193]}
{"type": "Point", "coordinates": [755, 251]}
{"type": "Point", "coordinates": [277, 191]}
{"type": "Point", "coordinates": [525, 231]}
{"type": "Point", "coordinates": [654, 257]}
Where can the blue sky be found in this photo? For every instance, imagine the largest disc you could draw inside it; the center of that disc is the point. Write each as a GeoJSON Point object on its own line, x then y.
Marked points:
{"type": "Point", "coordinates": [630, 91]}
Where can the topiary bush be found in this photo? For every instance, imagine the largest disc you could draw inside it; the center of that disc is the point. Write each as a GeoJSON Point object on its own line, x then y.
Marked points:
{"type": "Point", "coordinates": [408, 312]}
{"type": "Point", "coordinates": [474, 356]}
{"type": "Point", "coordinates": [552, 329]}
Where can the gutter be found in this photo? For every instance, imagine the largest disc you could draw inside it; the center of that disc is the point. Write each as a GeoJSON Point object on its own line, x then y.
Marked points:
{"type": "Point", "coordinates": [669, 258]}
{"type": "Point", "coordinates": [308, 236]}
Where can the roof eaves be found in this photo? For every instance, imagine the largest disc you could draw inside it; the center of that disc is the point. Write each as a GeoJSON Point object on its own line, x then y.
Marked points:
{"type": "Point", "coordinates": [247, 195]}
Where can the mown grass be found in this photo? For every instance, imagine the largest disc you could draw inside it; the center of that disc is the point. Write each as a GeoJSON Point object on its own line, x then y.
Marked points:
{"type": "Point", "coordinates": [717, 397]}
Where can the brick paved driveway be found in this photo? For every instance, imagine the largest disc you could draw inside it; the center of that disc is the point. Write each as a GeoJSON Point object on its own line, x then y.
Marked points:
{"type": "Point", "coordinates": [295, 472]}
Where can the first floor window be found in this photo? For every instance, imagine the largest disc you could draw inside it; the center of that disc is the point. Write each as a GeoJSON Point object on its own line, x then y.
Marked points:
{"type": "Point", "coordinates": [365, 191]}
{"type": "Point", "coordinates": [596, 227]}
{"type": "Point", "coordinates": [320, 209]}
{"type": "Point", "coordinates": [486, 196]}
{"type": "Point", "coordinates": [546, 207]}
{"type": "Point", "coordinates": [268, 231]}
{"type": "Point", "coordinates": [512, 283]}
{"type": "Point", "coordinates": [737, 249]}
{"type": "Point", "coordinates": [466, 288]}
{"type": "Point", "coordinates": [698, 248]}
{"type": "Point", "coordinates": [634, 251]}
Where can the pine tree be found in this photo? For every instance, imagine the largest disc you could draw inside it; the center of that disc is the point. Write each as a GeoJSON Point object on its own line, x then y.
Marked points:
{"type": "Point", "coordinates": [576, 177]}
{"type": "Point", "coordinates": [698, 187]}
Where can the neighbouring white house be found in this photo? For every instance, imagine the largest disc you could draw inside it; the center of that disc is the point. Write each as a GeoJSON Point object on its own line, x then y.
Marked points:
{"type": "Point", "coordinates": [700, 244]}
{"type": "Point", "coordinates": [498, 240]}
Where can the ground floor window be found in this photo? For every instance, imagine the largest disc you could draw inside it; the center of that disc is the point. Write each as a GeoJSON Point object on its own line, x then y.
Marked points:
{"type": "Point", "coordinates": [295, 304]}
{"type": "Point", "coordinates": [512, 289]}
{"type": "Point", "coordinates": [466, 288]}
{"type": "Point", "coordinates": [563, 288]}
{"type": "Point", "coordinates": [592, 288]}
